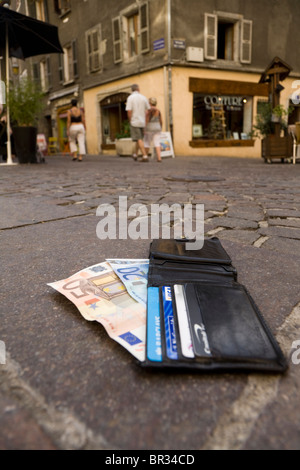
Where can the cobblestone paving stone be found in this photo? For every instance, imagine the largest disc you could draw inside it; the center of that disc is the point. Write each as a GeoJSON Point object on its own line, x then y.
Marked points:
{"type": "Point", "coordinates": [65, 384]}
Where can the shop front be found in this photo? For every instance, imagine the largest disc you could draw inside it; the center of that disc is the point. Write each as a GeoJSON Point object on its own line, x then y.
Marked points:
{"type": "Point", "coordinates": [223, 112]}
{"type": "Point", "coordinates": [213, 112]}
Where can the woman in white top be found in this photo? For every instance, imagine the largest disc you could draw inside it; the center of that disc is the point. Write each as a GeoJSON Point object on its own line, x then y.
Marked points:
{"type": "Point", "coordinates": [153, 128]}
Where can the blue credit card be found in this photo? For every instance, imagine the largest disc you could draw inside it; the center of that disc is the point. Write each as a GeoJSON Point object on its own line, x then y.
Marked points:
{"type": "Point", "coordinates": [154, 351]}
{"type": "Point", "coordinates": [171, 344]}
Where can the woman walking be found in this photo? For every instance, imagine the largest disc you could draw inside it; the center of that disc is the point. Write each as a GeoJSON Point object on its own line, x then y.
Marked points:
{"type": "Point", "coordinates": [76, 131]}
{"type": "Point", "coordinates": [153, 128]}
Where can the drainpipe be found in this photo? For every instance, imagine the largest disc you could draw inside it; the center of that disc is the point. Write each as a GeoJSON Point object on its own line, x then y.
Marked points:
{"type": "Point", "coordinates": [168, 74]}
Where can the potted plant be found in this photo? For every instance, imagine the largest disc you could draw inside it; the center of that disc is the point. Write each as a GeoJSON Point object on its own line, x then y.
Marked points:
{"type": "Point", "coordinates": [271, 123]}
{"type": "Point", "coordinates": [26, 104]}
{"type": "Point", "coordinates": [124, 143]}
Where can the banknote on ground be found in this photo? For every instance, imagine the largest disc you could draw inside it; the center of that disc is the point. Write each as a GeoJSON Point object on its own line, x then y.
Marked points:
{"type": "Point", "coordinates": [100, 296]}
{"type": "Point", "coordinates": [134, 275]}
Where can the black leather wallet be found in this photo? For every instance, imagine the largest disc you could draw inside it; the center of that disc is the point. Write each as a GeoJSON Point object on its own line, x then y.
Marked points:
{"type": "Point", "coordinates": [200, 317]}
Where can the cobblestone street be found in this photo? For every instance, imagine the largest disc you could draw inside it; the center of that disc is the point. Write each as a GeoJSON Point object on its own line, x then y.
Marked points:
{"type": "Point", "coordinates": [66, 384]}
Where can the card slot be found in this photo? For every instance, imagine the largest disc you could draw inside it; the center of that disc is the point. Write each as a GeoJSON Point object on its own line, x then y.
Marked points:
{"type": "Point", "coordinates": [233, 327]}
{"type": "Point", "coordinates": [191, 267]}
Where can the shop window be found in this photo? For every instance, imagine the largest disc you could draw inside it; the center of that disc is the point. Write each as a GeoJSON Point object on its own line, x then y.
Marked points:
{"type": "Point", "coordinates": [228, 37]}
{"type": "Point", "coordinates": [131, 32]}
{"type": "Point", "coordinates": [93, 46]}
{"type": "Point", "coordinates": [221, 117]}
{"type": "Point", "coordinates": [113, 116]}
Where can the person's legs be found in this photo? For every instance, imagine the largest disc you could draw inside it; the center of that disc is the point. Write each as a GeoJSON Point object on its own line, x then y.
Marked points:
{"type": "Point", "coordinates": [81, 143]}
{"type": "Point", "coordinates": [137, 135]}
{"type": "Point", "coordinates": [156, 141]}
{"type": "Point", "coordinates": [72, 141]}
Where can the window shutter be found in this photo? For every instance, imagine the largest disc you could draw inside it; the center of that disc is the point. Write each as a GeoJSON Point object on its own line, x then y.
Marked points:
{"type": "Point", "coordinates": [117, 42]}
{"type": "Point", "coordinates": [46, 11]}
{"type": "Point", "coordinates": [210, 36]}
{"type": "Point", "coordinates": [48, 73]}
{"type": "Point", "coordinates": [32, 9]}
{"type": "Point", "coordinates": [94, 53]}
{"type": "Point", "coordinates": [61, 68]}
{"type": "Point", "coordinates": [74, 54]}
{"type": "Point", "coordinates": [144, 28]}
{"type": "Point", "coordinates": [246, 42]}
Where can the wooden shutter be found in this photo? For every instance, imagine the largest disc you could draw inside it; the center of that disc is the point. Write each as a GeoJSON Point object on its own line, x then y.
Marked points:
{"type": "Point", "coordinates": [246, 42]}
{"type": "Point", "coordinates": [48, 73]}
{"type": "Point", "coordinates": [94, 50]}
{"type": "Point", "coordinates": [117, 40]}
{"type": "Point", "coordinates": [210, 36]}
{"type": "Point", "coordinates": [61, 68]}
{"type": "Point", "coordinates": [144, 28]}
{"type": "Point", "coordinates": [74, 58]}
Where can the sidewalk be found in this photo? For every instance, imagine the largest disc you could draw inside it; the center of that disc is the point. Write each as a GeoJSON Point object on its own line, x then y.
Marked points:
{"type": "Point", "coordinates": [66, 384]}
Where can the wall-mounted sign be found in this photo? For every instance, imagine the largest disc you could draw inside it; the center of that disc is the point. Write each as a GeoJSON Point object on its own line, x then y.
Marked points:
{"type": "Point", "coordinates": [179, 44]}
{"type": "Point", "coordinates": [159, 44]}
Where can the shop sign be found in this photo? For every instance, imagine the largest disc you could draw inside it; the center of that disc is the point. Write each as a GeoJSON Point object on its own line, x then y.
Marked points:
{"type": "Point", "coordinates": [233, 103]}
{"type": "Point", "coordinates": [179, 44]}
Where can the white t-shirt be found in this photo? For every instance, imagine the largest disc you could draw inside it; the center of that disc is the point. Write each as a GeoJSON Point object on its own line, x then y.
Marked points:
{"type": "Point", "coordinates": [138, 104]}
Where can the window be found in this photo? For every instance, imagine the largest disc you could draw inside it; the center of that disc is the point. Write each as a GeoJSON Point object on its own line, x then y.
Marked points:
{"type": "Point", "coordinates": [41, 74]}
{"type": "Point", "coordinates": [221, 117]}
{"type": "Point", "coordinates": [68, 67]}
{"type": "Point", "coordinates": [228, 37]}
{"type": "Point", "coordinates": [45, 74]}
{"type": "Point", "coordinates": [94, 53]}
{"type": "Point", "coordinates": [131, 32]}
{"type": "Point", "coordinates": [41, 10]}
{"type": "Point", "coordinates": [62, 6]}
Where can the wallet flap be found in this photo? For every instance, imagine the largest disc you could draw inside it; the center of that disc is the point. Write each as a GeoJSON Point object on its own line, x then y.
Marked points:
{"type": "Point", "coordinates": [211, 252]}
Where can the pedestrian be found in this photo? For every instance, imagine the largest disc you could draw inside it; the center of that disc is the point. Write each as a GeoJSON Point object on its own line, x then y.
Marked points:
{"type": "Point", "coordinates": [153, 128]}
{"type": "Point", "coordinates": [76, 131]}
{"type": "Point", "coordinates": [137, 107]}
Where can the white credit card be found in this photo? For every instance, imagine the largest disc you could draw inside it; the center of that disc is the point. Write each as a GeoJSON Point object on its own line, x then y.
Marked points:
{"type": "Point", "coordinates": [183, 323]}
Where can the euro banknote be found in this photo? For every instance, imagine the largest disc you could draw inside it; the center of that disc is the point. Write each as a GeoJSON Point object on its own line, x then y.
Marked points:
{"type": "Point", "coordinates": [134, 275]}
{"type": "Point", "coordinates": [100, 296]}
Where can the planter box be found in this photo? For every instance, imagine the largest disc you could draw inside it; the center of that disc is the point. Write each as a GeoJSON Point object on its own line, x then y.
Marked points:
{"type": "Point", "coordinates": [25, 139]}
{"type": "Point", "coordinates": [276, 147]}
{"type": "Point", "coordinates": [125, 147]}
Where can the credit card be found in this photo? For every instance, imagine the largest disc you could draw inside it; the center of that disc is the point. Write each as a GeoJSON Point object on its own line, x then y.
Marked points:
{"type": "Point", "coordinates": [183, 323]}
{"type": "Point", "coordinates": [154, 352]}
{"type": "Point", "coordinates": [171, 344]}
{"type": "Point", "coordinates": [198, 331]}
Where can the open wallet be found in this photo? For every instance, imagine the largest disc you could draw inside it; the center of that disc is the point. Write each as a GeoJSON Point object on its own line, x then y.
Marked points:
{"type": "Point", "coordinates": [199, 317]}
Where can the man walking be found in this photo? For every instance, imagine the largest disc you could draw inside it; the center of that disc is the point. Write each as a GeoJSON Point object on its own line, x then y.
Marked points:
{"type": "Point", "coordinates": [137, 107]}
